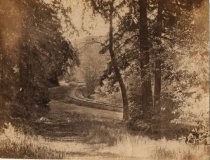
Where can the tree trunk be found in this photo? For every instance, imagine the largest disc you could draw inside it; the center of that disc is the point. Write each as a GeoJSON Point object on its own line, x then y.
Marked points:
{"type": "Point", "coordinates": [158, 30]}
{"type": "Point", "coordinates": [116, 69]}
{"type": "Point", "coordinates": [146, 88]}
{"type": "Point", "coordinates": [3, 112]}
{"type": "Point", "coordinates": [157, 87]}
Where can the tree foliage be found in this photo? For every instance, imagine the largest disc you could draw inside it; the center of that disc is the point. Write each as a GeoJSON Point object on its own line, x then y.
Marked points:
{"type": "Point", "coordinates": [168, 41]}
{"type": "Point", "coordinates": [33, 54]}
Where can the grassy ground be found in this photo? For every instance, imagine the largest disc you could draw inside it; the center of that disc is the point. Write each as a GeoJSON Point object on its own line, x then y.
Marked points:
{"type": "Point", "coordinates": [96, 140]}
{"type": "Point", "coordinates": [70, 132]}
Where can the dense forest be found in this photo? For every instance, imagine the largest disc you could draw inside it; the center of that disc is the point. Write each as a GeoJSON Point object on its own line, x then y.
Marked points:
{"type": "Point", "coordinates": [33, 54]}
{"type": "Point", "coordinates": [152, 47]}
{"type": "Point", "coordinates": [149, 63]}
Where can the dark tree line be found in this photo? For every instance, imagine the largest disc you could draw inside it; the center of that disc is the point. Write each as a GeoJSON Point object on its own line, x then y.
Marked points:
{"type": "Point", "coordinates": [33, 55]}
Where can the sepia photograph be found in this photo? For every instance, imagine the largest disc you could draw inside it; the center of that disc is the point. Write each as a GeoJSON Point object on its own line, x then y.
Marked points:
{"type": "Point", "coordinates": [104, 79]}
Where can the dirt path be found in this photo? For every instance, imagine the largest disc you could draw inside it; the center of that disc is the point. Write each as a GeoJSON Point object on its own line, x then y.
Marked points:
{"type": "Point", "coordinates": [74, 120]}
{"type": "Point", "coordinates": [82, 129]}
{"type": "Point", "coordinates": [71, 100]}
{"type": "Point", "coordinates": [95, 114]}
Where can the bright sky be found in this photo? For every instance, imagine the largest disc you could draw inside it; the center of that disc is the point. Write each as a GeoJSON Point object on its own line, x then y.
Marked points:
{"type": "Point", "coordinates": [95, 25]}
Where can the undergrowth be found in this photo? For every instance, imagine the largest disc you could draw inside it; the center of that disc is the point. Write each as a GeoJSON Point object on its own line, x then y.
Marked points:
{"type": "Point", "coordinates": [101, 140]}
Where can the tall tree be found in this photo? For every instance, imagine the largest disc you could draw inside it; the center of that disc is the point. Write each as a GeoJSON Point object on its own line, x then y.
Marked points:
{"type": "Point", "coordinates": [108, 11]}
{"type": "Point", "coordinates": [115, 65]}
{"type": "Point", "coordinates": [158, 32]}
{"type": "Point", "coordinates": [146, 89]}
{"type": "Point", "coordinates": [167, 17]}
{"type": "Point", "coordinates": [33, 51]}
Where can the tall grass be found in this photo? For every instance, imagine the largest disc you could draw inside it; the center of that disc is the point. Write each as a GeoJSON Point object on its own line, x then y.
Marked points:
{"type": "Point", "coordinates": [15, 144]}
{"type": "Point", "coordinates": [146, 148]}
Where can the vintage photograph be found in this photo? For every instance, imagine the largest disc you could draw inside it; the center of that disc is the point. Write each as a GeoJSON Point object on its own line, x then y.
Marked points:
{"type": "Point", "coordinates": [104, 79]}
